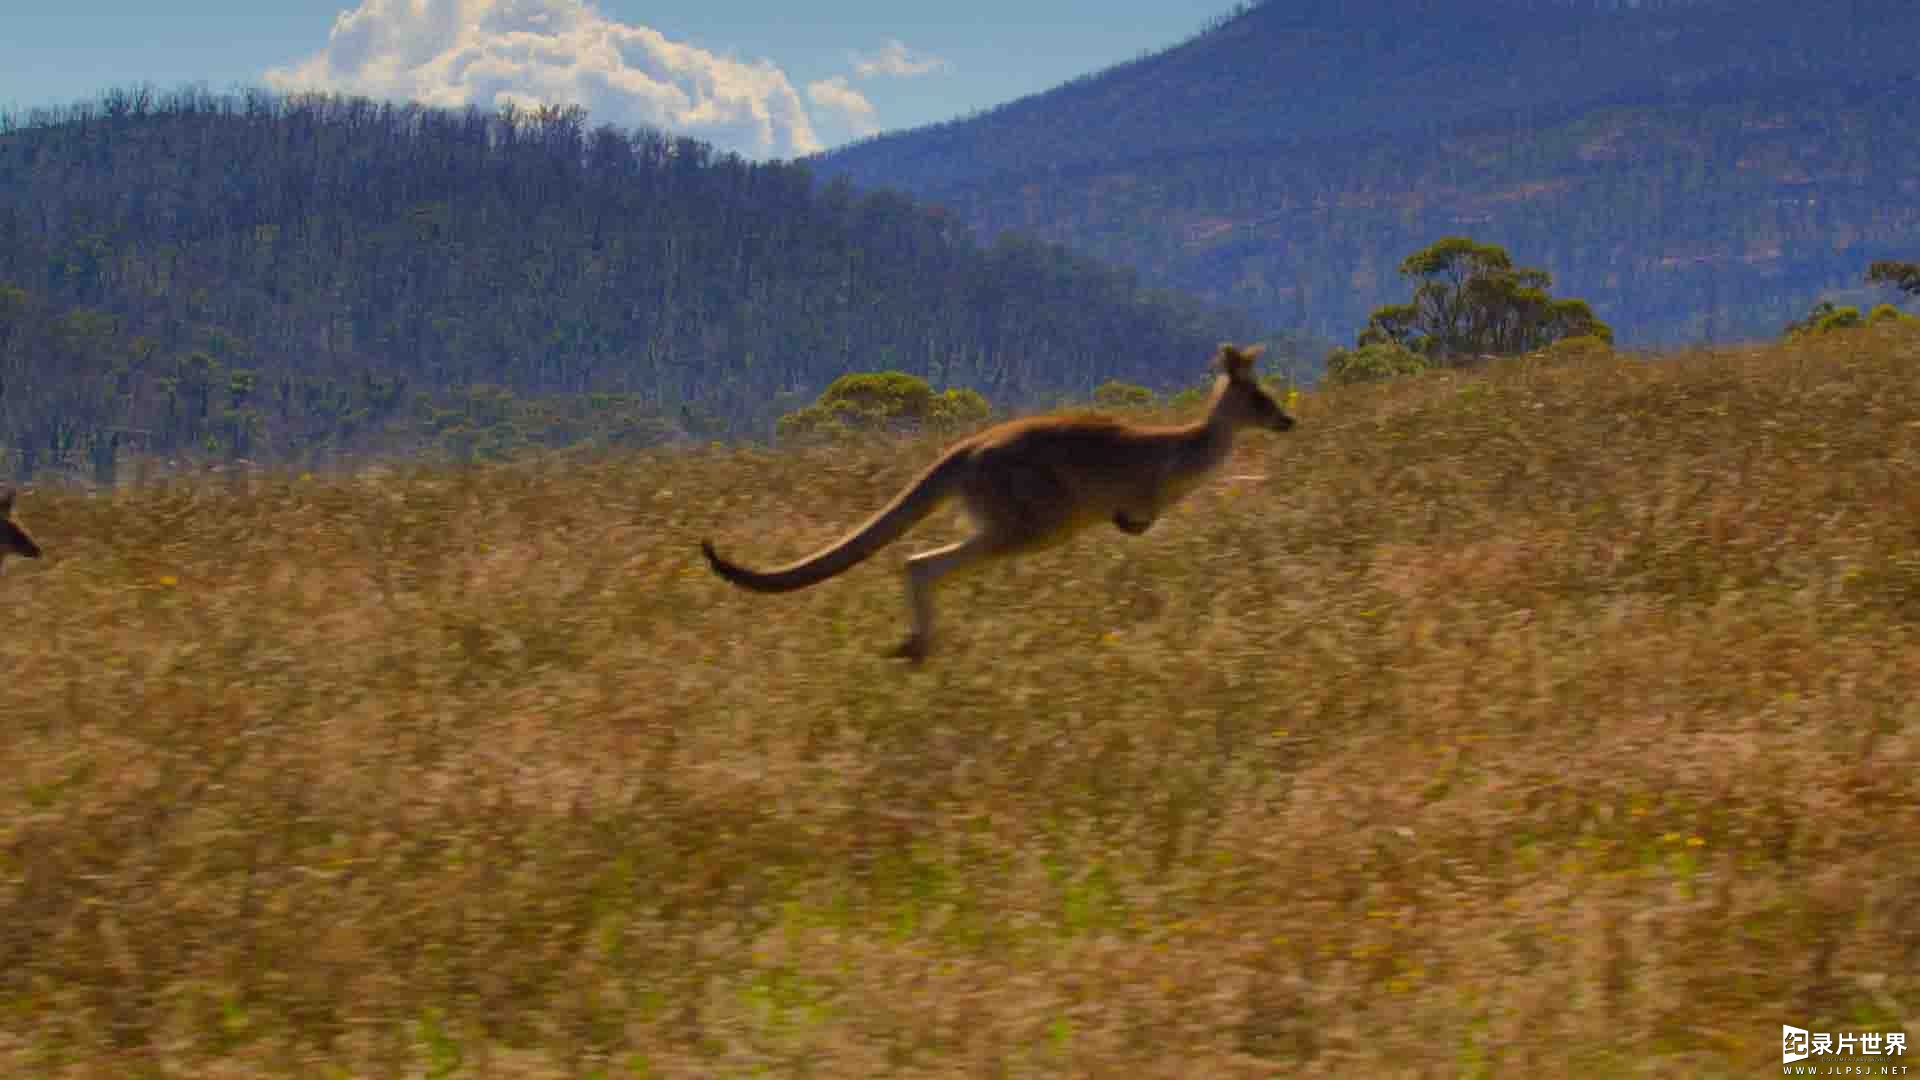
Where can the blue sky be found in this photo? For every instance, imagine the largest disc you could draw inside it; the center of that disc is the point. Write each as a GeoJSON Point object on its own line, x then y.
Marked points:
{"type": "Point", "coordinates": [768, 78]}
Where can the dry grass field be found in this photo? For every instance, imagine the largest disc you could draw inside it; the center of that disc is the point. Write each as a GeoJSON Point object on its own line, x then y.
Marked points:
{"type": "Point", "coordinates": [1558, 720]}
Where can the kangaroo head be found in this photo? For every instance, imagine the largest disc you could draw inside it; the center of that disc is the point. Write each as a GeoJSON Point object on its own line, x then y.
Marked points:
{"type": "Point", "coordinates": [1238, 397]}
{"type": "Point", "coordinates": [13, 539]}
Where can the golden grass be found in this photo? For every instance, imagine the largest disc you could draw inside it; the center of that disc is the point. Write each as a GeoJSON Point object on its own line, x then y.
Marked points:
{"type": "Point", "coordinates": [1554, 721]}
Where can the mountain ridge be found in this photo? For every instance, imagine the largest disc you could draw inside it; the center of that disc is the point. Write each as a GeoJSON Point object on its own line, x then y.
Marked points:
{"type": "Point", "coordinates": [1558, 69]}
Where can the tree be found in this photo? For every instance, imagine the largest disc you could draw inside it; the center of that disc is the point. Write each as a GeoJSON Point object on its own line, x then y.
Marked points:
{"type": "Point", "coordinates": [1904, 276]}
{"type": "Point", "coordinates": [1471, 300]}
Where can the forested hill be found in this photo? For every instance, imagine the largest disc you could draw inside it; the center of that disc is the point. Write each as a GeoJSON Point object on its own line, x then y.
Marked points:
{"type": "Point", "coordinates": [1296, 70]}
{"type": "Point", "coordinates": [251, 276]}
{"type": "Point", "coordinates": [1693, 167]}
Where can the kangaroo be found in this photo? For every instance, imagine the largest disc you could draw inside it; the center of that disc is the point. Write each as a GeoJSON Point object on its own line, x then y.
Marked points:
{"type": "Point", "coordinates": [13, 539]}
{"type": "Point", "coordinates": [1031, 484]}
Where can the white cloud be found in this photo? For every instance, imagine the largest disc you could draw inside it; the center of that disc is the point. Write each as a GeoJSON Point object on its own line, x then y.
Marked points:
{"type": "Point", "coordinates": [562, 52]}
{"type": "Point", "coordinates": [894, 58]}
{"type": "Point", "coordinates": [836, 97]}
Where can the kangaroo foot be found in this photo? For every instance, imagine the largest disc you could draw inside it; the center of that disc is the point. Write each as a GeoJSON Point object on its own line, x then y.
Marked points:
{"type": "Point", "coordinates": [914, 649]}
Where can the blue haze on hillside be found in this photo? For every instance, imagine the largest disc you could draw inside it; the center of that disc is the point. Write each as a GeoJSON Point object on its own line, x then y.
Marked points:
{"type": "Point", "coordinates": [1695, 168]}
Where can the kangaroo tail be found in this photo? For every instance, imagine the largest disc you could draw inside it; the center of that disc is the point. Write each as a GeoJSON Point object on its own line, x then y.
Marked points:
{"type": "Point", "coordinates": [909, 508]}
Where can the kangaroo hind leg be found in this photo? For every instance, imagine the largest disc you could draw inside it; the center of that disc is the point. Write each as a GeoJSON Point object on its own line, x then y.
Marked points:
{"type": "Point", "coordinates": [1016, 511]}
{"type": "Point", "coordinates": [924, 571]}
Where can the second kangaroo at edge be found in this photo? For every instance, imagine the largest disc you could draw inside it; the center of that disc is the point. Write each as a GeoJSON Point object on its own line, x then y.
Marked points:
{"type": "Point", "coordinates": [13, 539]}
{"type": "Point", "coordinates": [1031, 484]}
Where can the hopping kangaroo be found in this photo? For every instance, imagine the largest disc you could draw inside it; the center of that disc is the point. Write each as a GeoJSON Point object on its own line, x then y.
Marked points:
{"type": "Point", "coordinates": [13, 539]}
{"type": "Point", "coordinates": [1031, 484]}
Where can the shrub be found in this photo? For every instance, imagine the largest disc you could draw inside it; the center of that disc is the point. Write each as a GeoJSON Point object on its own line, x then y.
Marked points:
{"type": "Point", "coordinates": [1373, 362]}
{"type": "Point", "coordinates": [884, 400]}
{"type": "Point", "coordinates": [1114, 394]}
{"type": "Point", "coordinates": [1191, 397]}
{"type": "Point", "coordinates": [1825, 318]}
{"type": "Point", "coordinates": [1580, 347]}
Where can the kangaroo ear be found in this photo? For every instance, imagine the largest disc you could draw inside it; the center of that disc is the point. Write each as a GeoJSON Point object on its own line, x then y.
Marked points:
{"type": "Point", "coordinates": [1235, 361]}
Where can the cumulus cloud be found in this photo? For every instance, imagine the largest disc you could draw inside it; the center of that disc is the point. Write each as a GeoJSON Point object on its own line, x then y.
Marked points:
{"type": "Point", "coordinates": [850, 106]}
{"type": "Point", "coordinates": [895, 58]}
{"type": "Point", "coordinates": [561, 52]}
